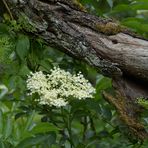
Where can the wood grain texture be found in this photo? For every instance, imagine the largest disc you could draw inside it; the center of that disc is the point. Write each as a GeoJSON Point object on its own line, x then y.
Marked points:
{"type": "Point", "coordinates": [113, 50]}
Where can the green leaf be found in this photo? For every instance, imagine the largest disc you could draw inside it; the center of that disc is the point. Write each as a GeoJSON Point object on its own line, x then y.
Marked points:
{"type": "Point", "coordinates": [81, 146]}
{"type": "Point", "coordinates": [24, 70]}
{"type": "Point", "coordinates": [106, 113]}
{"type": "Point", "coordinates": [92, 143]}
{"type": "Point", "coordinates": [22, 46]}
{"type": "Point", "coordinates": [3, 28]}
{"type": "Point", "coordinates": [80, 113]}
{"type": "Point", "coordinates": [1, 122]}
{"type": "Point", "coordinates": [7, 127]}
{"type": "Point", "coordinates": [2, 145]}
{"type": "Point", "coordinates": [3, 91]}
{"type": "Point", "coordinates": [29, 121]}
{"type": "Point", "coordinates": [110, 2]}
{"type": "Point", "coordinates": [43, 127]}
{"type": "Point", "coordinates": [140, 6]}
{"type": "Point", "coordinates": [52, 139]}
{"type": "Point", "coordinates": [16, 131]}
{"type": "Point", "coordinates": [93, 105]}
{"type": "Point", "coordinates": [103, 83]}
{"type": "Point", "coordinates": [144, 28]}
{"type": "Point", "coordinates": [142, 1]}
{"type": "Point", "coordinates": [38, 139]}
{"type": "Point", "coordinates": [138, 24]}
{"type": "Point", "coordinates": [104, 134]}
{"type": "Point", "coordinates": [134, 24]}
{"type": "Point", "coordinates": [121, 7]}
{"type": "Point", "coordinates": [45, 65]}
{"type": "Point", "coordinates": [4, 107]}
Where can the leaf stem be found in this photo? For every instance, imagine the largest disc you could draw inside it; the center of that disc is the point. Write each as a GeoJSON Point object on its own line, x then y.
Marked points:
{"type": "Point", "coordinates": [68, 127]}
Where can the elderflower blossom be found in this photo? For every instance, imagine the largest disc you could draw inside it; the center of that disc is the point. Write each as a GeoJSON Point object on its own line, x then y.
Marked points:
{"type": "Point", "coordinates": [56, 88]}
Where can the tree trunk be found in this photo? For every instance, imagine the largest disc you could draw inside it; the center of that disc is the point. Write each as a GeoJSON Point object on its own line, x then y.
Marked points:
{"type": "Point", "coordinates": [113, 50]}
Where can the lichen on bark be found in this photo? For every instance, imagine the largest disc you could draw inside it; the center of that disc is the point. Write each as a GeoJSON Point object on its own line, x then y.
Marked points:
{"type": "Point", "coordinates": [100, 42]}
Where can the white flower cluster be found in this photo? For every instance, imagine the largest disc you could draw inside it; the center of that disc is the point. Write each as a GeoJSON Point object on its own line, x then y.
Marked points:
{"type": "Point", "coordinates": [57, 87]}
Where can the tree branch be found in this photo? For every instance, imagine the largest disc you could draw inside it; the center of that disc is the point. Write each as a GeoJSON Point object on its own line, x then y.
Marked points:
{"type": "Point", "coordinates": [112, 49]}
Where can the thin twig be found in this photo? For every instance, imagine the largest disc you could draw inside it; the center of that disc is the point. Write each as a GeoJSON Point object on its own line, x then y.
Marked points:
{"type": "Point", "coordinates": [8, 9]}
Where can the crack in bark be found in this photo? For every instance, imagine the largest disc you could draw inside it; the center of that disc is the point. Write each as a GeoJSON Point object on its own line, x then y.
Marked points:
{"type": "Point", "coordinates": [114, 50]}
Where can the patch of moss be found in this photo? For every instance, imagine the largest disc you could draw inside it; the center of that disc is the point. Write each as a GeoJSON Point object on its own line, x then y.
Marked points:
{"type": "Point", "coordinates": [109, 28]}
{"type": "Point", "coordinates": [78, 5]}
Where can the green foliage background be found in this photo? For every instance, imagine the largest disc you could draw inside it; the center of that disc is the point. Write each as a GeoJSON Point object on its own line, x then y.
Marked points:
{"type": "Point", "coordinates": [92, 123]}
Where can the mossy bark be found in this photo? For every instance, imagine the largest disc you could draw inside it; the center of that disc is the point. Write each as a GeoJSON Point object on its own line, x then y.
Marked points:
{"type": "Point", "coordinates": [113, 50]}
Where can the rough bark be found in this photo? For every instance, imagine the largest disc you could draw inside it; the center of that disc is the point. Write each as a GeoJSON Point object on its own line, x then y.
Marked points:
{"type": "Point", "coordinates": [113, 50]}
